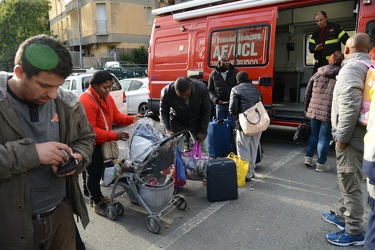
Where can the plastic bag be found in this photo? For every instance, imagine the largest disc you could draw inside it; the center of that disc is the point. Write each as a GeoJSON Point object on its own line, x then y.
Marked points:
{"type": "Point", "coordinates": [195, 163]}
{"type": "Point", "coordinates": [242, 168]}
{"type": "Point", "coordinates": [110, 173]}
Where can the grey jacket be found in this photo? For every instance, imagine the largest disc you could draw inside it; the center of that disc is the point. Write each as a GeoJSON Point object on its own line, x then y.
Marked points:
{"type": "Point", "coordinates": [319, 91]}
{"type": "Point", "coordinates": [347, 99]}
{"type": "Point", "coordinates": [18, 156]}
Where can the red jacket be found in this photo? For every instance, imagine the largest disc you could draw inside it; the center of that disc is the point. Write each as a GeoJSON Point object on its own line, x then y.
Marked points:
{"type": "Point", "coordinates": [111, 113]}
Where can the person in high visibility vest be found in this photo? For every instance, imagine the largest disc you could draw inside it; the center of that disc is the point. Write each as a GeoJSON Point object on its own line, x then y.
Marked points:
{"type": "Point", "coordinates": [326, 39]}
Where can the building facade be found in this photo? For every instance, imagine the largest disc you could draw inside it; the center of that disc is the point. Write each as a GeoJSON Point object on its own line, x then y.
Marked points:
{"type": "Point", "coordinates": [102, 29]}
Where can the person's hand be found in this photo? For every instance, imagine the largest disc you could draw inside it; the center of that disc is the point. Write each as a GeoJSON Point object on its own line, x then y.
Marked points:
{"type": "Point", "coordinates": [169, 132]}
{"type": "Point", "coordinates": [342, 145]}
{"type": "Point", "coordinates": [319, 47]}
{"type": "Point", "coordinates": [137, 117]}
{"type": "Point", "coordinates": [122, 136]}
{"type": "Point", "coordinates": [50, 153]}
{"type": "Point", "coordinates": [200, 137]}
{"type": "Point", "coordinates": [220, 102]}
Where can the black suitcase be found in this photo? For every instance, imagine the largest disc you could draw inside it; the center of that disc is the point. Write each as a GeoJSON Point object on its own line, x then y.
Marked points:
{"type": "Point", "coordinates": [221, 180]}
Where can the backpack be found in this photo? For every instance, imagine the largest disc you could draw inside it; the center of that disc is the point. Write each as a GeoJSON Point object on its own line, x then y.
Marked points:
{"type": "Point", "coordinates": [366, 98]}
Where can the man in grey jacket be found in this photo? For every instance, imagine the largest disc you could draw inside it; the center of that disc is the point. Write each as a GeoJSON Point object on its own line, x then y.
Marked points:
{"type": "Point", "coordinates": [348, 135]}
{"type": "Point", "coordinates": [41, 126]}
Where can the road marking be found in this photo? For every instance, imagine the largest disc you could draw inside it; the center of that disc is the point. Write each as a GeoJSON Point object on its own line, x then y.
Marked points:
{"type": "Point", "coordinates": [168, 240]}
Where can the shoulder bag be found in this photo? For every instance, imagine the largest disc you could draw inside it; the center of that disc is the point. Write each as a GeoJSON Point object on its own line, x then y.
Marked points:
{"type": "Point", "coordinates": [255, 119]}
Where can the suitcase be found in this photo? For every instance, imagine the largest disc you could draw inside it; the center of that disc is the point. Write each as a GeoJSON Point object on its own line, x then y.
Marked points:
{"type": "Point", "coordinates": [221, 180]}
{"type": "Point", "coordinates": [219, 138]}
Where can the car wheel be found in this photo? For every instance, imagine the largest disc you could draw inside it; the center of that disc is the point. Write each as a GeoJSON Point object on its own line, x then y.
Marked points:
{"type": "Point", "coordinates": [143, 108]}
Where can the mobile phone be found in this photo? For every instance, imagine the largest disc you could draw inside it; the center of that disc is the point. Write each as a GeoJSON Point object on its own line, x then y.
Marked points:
{"type": "Point", "coordinates": [67, 166]}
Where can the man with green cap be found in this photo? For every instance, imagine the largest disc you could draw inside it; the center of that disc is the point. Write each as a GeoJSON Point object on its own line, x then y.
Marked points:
{"type": "Point", "coordinates": [42, 126]}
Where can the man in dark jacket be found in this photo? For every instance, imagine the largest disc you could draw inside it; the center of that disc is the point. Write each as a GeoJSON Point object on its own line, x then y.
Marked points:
{"type": "Point", "coordinates": [185, 104]}
{"type": "Point", "coordinates": [325, 40]}
{"type": "Point", "coordinates": [220, 83]}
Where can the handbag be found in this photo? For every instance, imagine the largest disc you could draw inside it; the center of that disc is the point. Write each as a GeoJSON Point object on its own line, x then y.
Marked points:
{"type": "Point", "coordinates": [195, 163]}
{"type": "Point", "coordinates": [110, 150]}
{"type": "Point", "coordinates": [303, 132]}
{"type": "Point", "coordinates": [255, 119]}
{"type": "Point", "coordinates": [242, 167]}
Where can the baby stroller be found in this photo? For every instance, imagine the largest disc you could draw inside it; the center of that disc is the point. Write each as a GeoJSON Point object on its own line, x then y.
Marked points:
{"type": "Point", "coordinates": [149, 154]}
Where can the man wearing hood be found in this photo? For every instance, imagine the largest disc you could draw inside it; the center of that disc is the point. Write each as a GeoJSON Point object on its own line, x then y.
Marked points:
{"type": "Point", "coordinates": [220, 83]}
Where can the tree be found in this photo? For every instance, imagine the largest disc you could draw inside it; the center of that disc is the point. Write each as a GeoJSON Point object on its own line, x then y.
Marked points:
{"type": "Point", "coordinates": [20, 19]}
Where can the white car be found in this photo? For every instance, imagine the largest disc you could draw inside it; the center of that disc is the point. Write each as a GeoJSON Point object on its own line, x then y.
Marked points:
{"type": "Point", "coordinates": [79, 82]}
{"type": "Point", "coordinates": [137, 93]}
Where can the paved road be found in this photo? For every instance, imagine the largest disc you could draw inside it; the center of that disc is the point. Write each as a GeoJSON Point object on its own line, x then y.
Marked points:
{"type": "Point", "coordinates": [280, 209]}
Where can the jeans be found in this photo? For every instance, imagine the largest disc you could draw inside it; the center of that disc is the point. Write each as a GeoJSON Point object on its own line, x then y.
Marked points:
{"type": "Point", "coordinates": [319, 140]}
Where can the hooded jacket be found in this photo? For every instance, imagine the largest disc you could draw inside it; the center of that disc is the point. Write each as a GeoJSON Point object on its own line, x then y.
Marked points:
{"type": "Point", "coordinates": [218, 88]}
{"type": "Point", "coordinates": [18, 156]}
{"type": "Point", "coordinates": [347, 100]}
{"type": "Point", "coordinates": [319, 91]}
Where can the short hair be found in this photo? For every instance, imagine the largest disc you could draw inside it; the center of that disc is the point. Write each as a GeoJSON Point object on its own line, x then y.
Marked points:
{"type": "Point", "coordinates": [182, 84]}
{"type": "Point", "coordinates": [222, 57]}
{"type": "Point", "coordinates": [44, 53]}
{"type": "Point", "coordinates": [324, 14]}
{"type": "Point", "coordinates": [338, 57]}
{"type": "Point", "coordinates": [100, 77]}
{"type": "Point", "coordinates": [242, 76]}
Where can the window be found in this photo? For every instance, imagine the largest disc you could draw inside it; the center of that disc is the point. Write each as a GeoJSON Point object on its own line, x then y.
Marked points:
{"type": "Point", "coordinates": [149, 15]}
{"type": "Point", "coordinates": [244, 46]}
{"type": "Point", "coordinates": [102, 19]}
{"type": "Point", "coordinates": [370, 30]}
{"type": "Point", "coordinates": [135, 85]}
{"type": "Point", "coordinates": [309, 57]}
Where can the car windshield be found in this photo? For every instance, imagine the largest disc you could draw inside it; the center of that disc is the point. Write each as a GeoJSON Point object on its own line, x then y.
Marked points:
{"type": "Point", "coordinates": [66, 84]}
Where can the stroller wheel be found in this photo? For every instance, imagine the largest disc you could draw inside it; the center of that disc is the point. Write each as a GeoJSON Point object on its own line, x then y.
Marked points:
{"type": "Point", "coordinates": [181, 202]}
{"type": "Point", "coordinates": [119, 208]}
{"type": "Point", "coordinates": [153, 224]}
{"type": "Point", "coordinates": [111, 212]}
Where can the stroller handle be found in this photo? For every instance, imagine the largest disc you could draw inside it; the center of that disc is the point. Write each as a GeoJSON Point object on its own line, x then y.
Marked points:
{"type": "Point", "coordinates": [174, 136]}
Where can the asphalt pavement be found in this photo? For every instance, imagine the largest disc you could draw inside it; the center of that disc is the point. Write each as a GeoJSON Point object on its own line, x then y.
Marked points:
{"type": "Point", "coordinates": [279, 209]}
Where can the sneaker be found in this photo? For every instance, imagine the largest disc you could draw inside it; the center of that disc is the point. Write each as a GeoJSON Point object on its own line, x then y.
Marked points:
{"type": "Point", "coordinates": [100, 208]}
{"type": "Point", "coordinates": [308, 161]}
{"type": "Point", "coordinates": [322, 167]}
{"type": "Point", "coordinates": [105, 199]}
{"type": "Point", "coordinates": [344, 239]}
{"type": "Point", "coordinates": [332, 218]}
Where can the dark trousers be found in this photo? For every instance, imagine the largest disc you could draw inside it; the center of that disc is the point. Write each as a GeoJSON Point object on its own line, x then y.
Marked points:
{"type": "Point", "coordinates": [57, 230]}
{"type": "Point", "coordinates": [94, 174]}
{"type": "Point", "coordinates": [370, 232]}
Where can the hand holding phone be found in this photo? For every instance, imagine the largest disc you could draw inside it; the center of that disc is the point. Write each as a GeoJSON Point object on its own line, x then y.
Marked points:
{"type": "Point", "coordinates": [68, 166]}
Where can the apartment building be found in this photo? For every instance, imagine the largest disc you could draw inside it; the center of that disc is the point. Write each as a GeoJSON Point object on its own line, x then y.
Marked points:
{"type": "Point", "coordinates": [102, 29]}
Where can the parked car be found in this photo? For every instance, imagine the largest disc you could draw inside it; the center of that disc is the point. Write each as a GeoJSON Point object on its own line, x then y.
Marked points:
{"type": "Point", "coordinates": [120, 72]}
{"type": "Point", "coordinates": [136, 90]}
{"type": "Point", "coordinates": [125, 69]}
{"type": "Point", "coordinates": [79, 81]}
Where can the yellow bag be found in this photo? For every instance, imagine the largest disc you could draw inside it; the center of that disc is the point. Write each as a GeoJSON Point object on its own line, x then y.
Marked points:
{"type": "Point", "coordinates": [242, 168]}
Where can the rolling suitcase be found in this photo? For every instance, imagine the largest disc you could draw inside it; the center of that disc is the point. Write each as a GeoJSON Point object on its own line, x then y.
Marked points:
{"type": "Point", "coordinates": [221, 180]}
{"type": "Point", "coordinates": [219, 138]}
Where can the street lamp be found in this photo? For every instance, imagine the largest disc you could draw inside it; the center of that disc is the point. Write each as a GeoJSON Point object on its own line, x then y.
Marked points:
{"type": "Point", "coordinates": [80, 35]}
